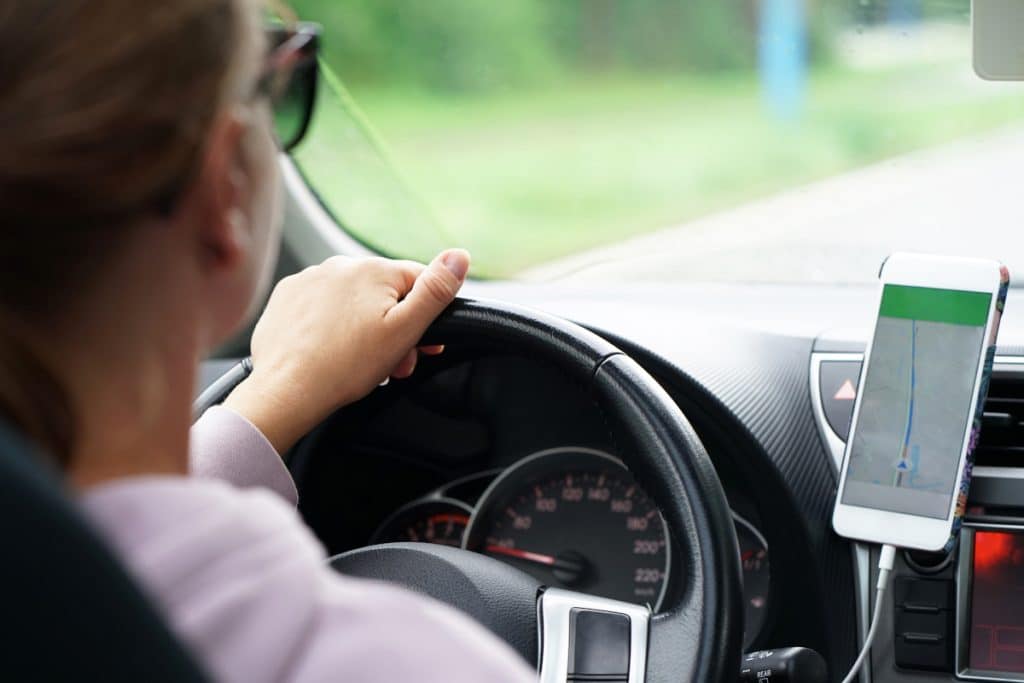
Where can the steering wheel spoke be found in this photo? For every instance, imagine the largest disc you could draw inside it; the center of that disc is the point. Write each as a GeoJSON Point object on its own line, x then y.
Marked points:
{"type": "Point", "coordinates": [586, 638]}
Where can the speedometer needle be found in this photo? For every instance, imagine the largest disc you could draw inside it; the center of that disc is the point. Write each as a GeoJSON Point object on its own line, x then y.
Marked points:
{"type": "Point", "coordinates": [522, 554]}
{"type": "Point", "coordinates": [572, 567]}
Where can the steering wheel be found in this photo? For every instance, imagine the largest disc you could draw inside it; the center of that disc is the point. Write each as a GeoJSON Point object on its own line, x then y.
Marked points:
{"type": "Point", "coordinates": [695, 637]}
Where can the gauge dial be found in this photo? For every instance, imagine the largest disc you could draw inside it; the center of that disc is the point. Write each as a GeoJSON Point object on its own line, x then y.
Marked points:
{"type": "Point", "coordinates": [756, 577]}
{"type": "Point", "coordinates": [575, 518]}
{"type": "Point", "coordinates": [439, 520]}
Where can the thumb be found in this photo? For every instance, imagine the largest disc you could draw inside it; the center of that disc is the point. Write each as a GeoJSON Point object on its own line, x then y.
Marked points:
{"type": "Point", "coordinates": [433, 290]}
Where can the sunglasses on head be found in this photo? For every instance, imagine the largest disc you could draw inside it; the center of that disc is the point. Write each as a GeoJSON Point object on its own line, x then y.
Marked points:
{"type": "Point", "coordinates": [289, 79]}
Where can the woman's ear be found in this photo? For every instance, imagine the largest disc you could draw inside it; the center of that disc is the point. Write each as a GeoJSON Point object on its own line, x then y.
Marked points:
{"type": "Point", "coordinates": [222, 193]}
{"type": "Point", "coordinates": [224, 244]}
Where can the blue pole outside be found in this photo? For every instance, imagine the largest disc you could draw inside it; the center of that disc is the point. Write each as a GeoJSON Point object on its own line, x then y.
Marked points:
{"type": "Point", "coordinates": [782, 57]}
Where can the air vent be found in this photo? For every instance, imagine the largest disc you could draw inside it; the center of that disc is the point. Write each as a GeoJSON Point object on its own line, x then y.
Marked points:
{"type": "Point", "coordinates": [1002, 432]}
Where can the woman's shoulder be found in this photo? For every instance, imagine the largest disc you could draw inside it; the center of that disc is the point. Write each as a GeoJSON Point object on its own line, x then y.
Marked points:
{"type": "Point", "coordinates": [230, 568]}
{"type": "Point", "coordinates": [147, 511]}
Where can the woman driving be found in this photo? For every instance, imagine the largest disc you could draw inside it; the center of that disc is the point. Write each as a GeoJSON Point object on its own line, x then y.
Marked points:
{"type": "Point", "coordinates": [139, 190]}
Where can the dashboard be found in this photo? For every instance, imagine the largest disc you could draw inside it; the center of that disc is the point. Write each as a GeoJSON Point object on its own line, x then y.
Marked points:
{"type": "Point", "coordinates": [779, 358]}
{"type": "Point", "coordinates": [503, 455]}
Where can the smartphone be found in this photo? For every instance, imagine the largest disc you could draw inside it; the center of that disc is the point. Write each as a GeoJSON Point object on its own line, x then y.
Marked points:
{"type": "Point", "coordinates": [923, 382]}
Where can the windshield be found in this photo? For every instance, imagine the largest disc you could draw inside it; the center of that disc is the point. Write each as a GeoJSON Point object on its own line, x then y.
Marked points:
{"type": "Point", "coordinates": [664, 140]}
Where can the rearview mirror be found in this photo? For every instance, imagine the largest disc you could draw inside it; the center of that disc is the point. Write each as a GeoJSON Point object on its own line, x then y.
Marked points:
{"type": "Point", "coordinates": [998, 28]}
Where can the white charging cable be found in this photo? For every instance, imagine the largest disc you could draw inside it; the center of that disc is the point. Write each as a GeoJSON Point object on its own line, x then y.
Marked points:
{"type": "Point", "coordinates": [885, 564]}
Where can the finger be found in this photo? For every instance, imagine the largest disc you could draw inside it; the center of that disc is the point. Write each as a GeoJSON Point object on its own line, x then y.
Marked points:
{"type": "Point", "coordinates": [402, 275]}
{"type": "Point", "coordinates": [413, 267]}
{"type": "Point", "coordinates": [433, 290]}
{"type": "Point", "coordinates": [406, 366]}
{"type": "Point", "coordinates": [436, 350]}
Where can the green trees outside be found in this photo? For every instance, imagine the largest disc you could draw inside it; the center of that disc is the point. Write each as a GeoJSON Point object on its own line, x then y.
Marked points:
{"type": "Point", "coordinates": [472, 45]}
{"type": "Point", "coordinates": [481, 45]}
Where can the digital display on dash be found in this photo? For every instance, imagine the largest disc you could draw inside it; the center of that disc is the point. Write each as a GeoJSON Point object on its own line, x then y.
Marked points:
{"type": "Point", "coordinates": [997, 597]}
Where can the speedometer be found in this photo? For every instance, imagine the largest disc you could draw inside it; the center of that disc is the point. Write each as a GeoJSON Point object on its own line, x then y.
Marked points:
{"type": "Point", "coordinates": [575, 518]}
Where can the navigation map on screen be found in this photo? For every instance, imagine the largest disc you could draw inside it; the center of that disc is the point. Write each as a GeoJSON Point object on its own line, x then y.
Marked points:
{"type": "Point", "coordinates": [916, 400]}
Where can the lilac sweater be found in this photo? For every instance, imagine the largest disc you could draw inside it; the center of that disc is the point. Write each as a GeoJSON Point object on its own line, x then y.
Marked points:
{"type": "Point", "coordinates": [244, 582]}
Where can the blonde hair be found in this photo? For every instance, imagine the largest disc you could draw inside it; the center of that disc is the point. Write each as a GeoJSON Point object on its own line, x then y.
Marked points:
{"type": "Point", "coordinates": [104, 110]}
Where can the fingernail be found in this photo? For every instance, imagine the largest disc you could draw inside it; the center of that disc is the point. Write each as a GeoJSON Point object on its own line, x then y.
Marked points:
{"type": "Point", "coordinates": [457, 262]}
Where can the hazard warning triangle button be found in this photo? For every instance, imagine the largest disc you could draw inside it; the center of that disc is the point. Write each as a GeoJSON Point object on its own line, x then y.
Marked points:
{"type": "Point", "coordinates": [846, 392]}
{"type": "Point", "coordinates": [837, 383]}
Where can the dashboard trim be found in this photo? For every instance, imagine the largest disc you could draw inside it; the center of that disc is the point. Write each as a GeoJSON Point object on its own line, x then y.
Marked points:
{"type": "Point", "coordinates": [835, 445]}
{"type": "Point", "coordinates": [999, 472]}
{"type": "Point", "coordinates": [861, 552]}
{"type": "Point", "coordinates": [740, 519]}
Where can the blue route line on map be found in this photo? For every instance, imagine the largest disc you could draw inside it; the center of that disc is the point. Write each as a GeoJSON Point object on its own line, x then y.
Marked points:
{"type": "Point", "coordinates": [913, 387]}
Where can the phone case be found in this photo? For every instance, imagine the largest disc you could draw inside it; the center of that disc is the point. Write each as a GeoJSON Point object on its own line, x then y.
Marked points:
{"type": "Point", "coordinates": [979, 409]}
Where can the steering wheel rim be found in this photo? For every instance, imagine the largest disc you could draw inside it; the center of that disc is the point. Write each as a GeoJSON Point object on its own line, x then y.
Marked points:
{"type": "Point", "coordinates": [698, 636]}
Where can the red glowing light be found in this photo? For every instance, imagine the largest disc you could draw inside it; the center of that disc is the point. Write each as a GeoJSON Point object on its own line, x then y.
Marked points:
{"type": "Point", "coordinates": [992, 549]}
{"type": "Point", "coordinates": [446, 518]}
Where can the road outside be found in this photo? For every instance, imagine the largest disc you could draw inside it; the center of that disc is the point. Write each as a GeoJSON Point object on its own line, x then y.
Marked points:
{"type": "Point", "coordinates": [962, 198]}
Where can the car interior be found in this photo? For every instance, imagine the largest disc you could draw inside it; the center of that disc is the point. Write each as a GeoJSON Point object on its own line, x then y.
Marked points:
{"type": "Point", "coordinates": [626, 476]}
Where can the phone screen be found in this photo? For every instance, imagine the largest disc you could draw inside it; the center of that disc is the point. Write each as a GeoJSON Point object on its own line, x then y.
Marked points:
{"type": "Point", "coordinates": [916, 400]}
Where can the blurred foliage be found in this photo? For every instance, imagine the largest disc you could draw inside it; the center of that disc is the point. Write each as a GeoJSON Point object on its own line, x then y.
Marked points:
{"type": "Point", "coordinates": [652, 34]}
{"type": "Point", "coordinates": [872, 12]}
{"type": "Point", "coordinates": [445, 44]}
{"type": "Point", "coordinates": [469, 45]}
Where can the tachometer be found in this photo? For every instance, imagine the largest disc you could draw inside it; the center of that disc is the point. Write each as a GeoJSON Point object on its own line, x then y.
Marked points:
{"type": "Point", "coordinates": [575, 518]}
{"type": "Point", "coordinates": [438, 520]}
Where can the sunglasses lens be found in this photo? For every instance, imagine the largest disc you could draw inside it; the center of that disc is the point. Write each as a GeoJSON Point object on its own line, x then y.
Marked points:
{"type": "Point", "coordinates": [292, 101]}
{"type": "Point", "coordinates": [291, 80]}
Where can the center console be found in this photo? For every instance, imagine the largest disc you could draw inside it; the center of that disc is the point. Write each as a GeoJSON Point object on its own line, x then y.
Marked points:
{"type": "Point", "coordinates": [955, 616]}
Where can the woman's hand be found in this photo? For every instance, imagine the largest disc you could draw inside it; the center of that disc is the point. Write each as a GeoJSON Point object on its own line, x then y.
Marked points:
{"type": "Point", "coordinates": [333, 332]}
